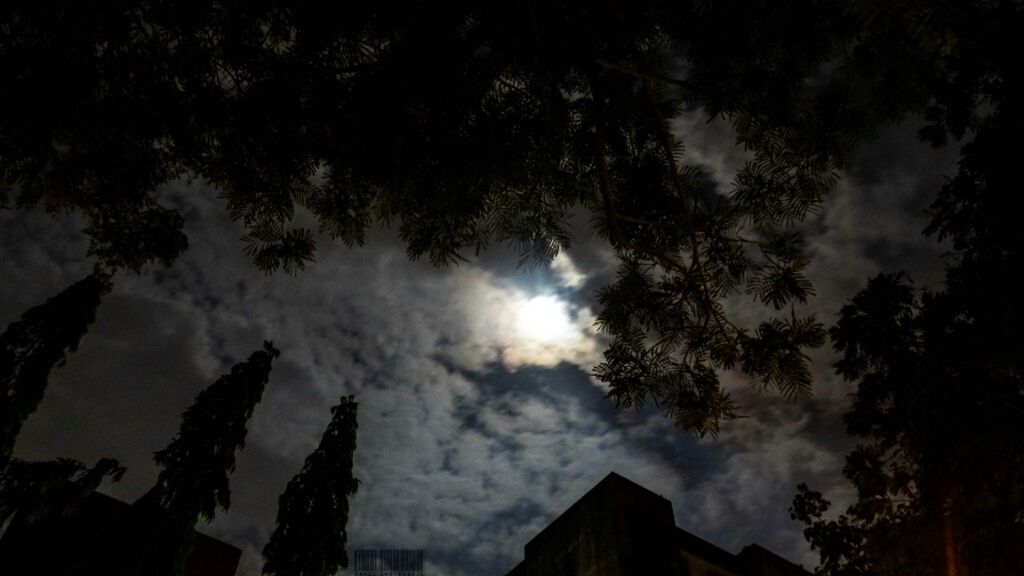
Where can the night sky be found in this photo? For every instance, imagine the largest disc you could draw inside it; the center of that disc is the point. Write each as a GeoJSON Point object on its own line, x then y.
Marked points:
{"type": "Point", "coordinates": [478, 419]}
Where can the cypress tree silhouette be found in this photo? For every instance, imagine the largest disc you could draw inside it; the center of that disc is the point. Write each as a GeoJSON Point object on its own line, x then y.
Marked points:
{"type": "Point", "coordinates": [193, 480]}
{"type": "Point", "coordinates": [33, 345]}
{"type": "Point", "coordinates": [313, 510]}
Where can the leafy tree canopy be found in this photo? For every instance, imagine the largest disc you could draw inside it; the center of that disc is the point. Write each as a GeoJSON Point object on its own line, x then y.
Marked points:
{"type": "Point", "coordinates": [939, 472]}
{"type": "Point", "coordinates": [466, 123]}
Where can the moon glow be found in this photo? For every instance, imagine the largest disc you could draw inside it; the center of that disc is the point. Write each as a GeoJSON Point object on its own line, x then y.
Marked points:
{"type": "Point", "coordinates": [544, 319]}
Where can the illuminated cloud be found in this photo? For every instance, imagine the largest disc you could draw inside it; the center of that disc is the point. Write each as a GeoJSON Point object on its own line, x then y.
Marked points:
{"type": "Point", "coordinates": [567, 272]}
{"type": "Point", "coordinates": [505, 323]}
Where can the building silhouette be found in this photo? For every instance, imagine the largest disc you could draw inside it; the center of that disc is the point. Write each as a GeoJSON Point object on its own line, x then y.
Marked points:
{"type": "Point", "coordinates": [105, 536]}
{"type": "Point", "coordinates": [620, 528]}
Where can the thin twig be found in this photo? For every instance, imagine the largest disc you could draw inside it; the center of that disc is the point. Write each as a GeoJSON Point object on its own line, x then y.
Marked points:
{"type": "Point", "coordinates": [666, 141]}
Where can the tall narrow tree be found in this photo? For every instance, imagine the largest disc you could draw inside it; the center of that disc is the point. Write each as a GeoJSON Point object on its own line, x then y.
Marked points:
{"type": "Point", "coordinates": [313, 511]}
{"type": "Point", "coordinates": [33, 345]}
{"type": "Point", "coordinates": [193, 480]}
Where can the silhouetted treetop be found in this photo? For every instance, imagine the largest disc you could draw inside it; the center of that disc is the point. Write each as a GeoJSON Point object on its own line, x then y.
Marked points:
{"type": "Point", "coordinates": [312, 514]}
{"type": "Point", "coordinates": [36, 343]}
{"type": "Point", "coordinates": [193, 481]}
{"type": "Point", "coordinates": [194, 468]}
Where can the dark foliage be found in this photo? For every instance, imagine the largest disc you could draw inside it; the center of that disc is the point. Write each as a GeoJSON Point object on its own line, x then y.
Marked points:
{"type": "Point", "coordinates": [940, 387]}
{"type": "Point", "coordinates": [38, 491]}
{"type": "Point", "coordinates": [33, 345]}
{"type": "Point", "coordinates": [463, 124]}
{"type": "Point", "coordinates": [313, 511]}
{"type": "Point", "coordinates": [193, 480]}
{"type": "Point", "coordinates": [469, 123]}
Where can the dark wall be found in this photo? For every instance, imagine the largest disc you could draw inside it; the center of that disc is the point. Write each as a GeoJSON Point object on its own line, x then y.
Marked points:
{"type": "Point", "coordinates": [617, 528]}
{"type": "Point", "coordinates": [105, 536]}
{"type": "Point", "coordinates": [620, 528]}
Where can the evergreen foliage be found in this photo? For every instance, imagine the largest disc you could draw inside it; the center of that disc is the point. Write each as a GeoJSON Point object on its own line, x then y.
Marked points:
{"type": "Point", "coordinates": [313, 510]}
{"type": "Point", "coordinates": [33, 345]}
{"type": "Point", "coordinates": [940, 469]}
{"type": "Point", "coordinates": [194, 467]}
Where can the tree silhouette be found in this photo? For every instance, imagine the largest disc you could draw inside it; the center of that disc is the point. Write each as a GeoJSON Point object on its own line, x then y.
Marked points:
{"type": "Point", "coordinates": [193, 480]}
{"type": "Point", "coordinates": [33, 345]}
{"type": "Point", "coordinates": [42, 490]}
{"type": "Point", "coordinates": [940, 469]}
{"type": "Point", "coordinates": [313, 510]}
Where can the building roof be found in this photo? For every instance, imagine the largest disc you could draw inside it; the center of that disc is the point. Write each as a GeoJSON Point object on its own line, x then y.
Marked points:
{"type": "Point", "coordinates": [620, 528]}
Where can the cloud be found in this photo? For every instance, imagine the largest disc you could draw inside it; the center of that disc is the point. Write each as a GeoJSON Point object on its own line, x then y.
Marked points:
{"type": "Point", "coordinates": [567, 272]}
{"type": "Point", "coordinates": [711, 144]}
{"type": "Point", "coordinates": [476, 428]}
{"type": "Point", "coordinates": [410, 341]}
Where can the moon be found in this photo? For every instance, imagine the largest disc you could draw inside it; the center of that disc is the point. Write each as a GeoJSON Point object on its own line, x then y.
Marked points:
{"type": "Point", "coordinates": [544, 319]}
